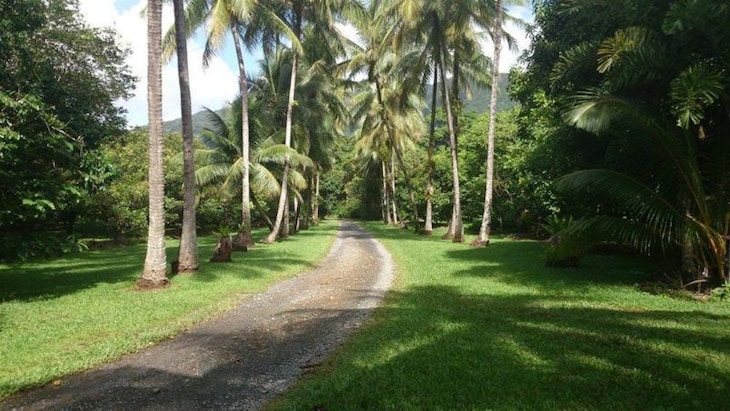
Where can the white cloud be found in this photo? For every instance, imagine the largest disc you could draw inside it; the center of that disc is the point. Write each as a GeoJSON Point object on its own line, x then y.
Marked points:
{"type": "Point", "coordinates": [210, 87]}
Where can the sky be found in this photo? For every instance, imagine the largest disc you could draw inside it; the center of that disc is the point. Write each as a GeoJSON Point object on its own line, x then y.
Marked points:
{"type": "Point", "coordinates": [211, 86]}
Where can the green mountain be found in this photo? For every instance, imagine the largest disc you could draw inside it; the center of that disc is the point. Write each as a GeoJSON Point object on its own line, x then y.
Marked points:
{"type": "Point", "coordinates": [200, 121]}
{"type": "Point", "coordinates": [480, 98]}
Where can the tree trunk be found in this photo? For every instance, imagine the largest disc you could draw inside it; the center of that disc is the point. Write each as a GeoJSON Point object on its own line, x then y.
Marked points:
{"type": "Point", "coordinates": [244, 240]}
{"type": "Point", "coordinates": [262, 211]}
{"type": "Point", "coordinates": [222, 251]}
{"type": "Point", "coordinates": [399, 156]}
{"type": "Point", "coordinates": [187, 257]}
{"type": "Point", "coordinates": [387, 217]}
{"type": "Point", "coordinates": [428, 226]}
{"type": "Point", "coordinates": [282, 214]}
{"type": "Point", "coordinates": [297, 214]}
{"type": "Point", "coordinates": [306, 207]}
{"type": "Point", "coordinates": [155, 263]}
{"type": "Point", "coordinates": [396, 216]}
{"type": "Point", "coordinates": [456, 219]}
{"type": "Point", "coordinates": [315, 202]}
{"type": "Point", "coordinates": [486, 227]}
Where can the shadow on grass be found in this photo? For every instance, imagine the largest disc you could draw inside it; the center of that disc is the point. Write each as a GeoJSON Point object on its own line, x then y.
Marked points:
{"type": "Point", "coordinates": [518, 261]}
{"type": "Point", "coordinates": [123, 264]}
{"type": "Point", "coordinates": [51, 279]}
{"type": "Point", "coordinates": [261, 258]}
{"type": "Point", "coordinates": [444, 350]}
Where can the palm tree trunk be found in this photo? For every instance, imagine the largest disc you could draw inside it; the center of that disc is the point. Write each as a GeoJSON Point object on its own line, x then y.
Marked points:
{"type": "Point", "coordinates": [393, 201]}
{"type": "Point", "coordinates": [187, 257]}
{"type": "Point", "coordinates": [281, 224]}
{"type": "Point", "coordinates": [399, 156]}
{"type": "Point", "coordinates": [387, 217]}
{"type": "Point", "coordinates": [428, 227]}
{"type": "Point", "coordinates": [485, 229]}
{"type": "Point", "coordinates": [155, 263]}
{"type": "Point", "coordinates": [244, 240]}
{"type": "Point", "coordinates": [297, 214]}
{"type": "Point", "coordinates": [315, 199]}
{"type": "Point", "coordinates": [397, 210]}
{"type": "Point", "coordinates": [262, 212]}
{"type": "Point", "coordinates": [457, 225]}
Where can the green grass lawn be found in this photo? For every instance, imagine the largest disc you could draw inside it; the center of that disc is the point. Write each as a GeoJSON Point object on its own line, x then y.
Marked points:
{"type": "Point", "coordinates": [493, 328]}
{"type": "Point", "coordinates": [72, 313]}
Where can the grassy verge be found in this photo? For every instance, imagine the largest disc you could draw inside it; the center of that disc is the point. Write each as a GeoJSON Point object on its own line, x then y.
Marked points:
{"type": "Point", "coordinates": [493, 329]}
{"type": "Point", "coordinates": [66, 315]}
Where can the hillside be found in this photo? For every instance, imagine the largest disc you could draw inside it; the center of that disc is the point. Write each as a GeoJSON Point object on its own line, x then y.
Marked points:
{"type": "Point", "coordinates": [200, 121]}
{"type": "Point", "coordinates": [479, 101]}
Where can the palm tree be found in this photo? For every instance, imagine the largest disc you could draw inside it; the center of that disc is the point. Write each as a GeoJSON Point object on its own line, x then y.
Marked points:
{"type": "Point", "coordinates": [485, 228]}
{"type": "Point", "coordinates": [187, 258]}
{"type": "Point", "coordinates": [388, 97]}
{"type": "Point", "coordinates": [281, 224]}
{"type": "Point", "coordinates": [221, 162]}
{"type": "Point", "coordinates": [222, 17]}
{"type": "Point", "coordinates": [155, 264]}
{"type": "Point", "coordinates": [423, 23]}
{"type": "Point", "coordinates": [321, 16]}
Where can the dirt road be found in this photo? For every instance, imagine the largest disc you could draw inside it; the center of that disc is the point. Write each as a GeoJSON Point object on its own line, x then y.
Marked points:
{"type": "Point", "coordinates": [247, 356]}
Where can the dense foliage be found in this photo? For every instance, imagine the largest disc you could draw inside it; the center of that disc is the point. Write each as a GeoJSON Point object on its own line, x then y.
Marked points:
{"type": "Point", "coordinates": [58, 82]}
{"type": "Point", "coordinates": [650, 79]}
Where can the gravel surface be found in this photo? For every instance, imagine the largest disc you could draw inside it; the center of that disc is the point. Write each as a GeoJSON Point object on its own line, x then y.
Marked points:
{"type": "Point", "coordinates": [244, 358]}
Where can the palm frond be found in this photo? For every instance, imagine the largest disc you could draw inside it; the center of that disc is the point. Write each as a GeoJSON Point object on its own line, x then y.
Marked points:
{"type": "Point", "coordinates": [696, 88]}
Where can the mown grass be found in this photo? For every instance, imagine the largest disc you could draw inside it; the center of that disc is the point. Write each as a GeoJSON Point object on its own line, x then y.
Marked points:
{"type": "Point", "coordinates": [493, 328]}
{"type": "Point", "coordinates": [69, 314]}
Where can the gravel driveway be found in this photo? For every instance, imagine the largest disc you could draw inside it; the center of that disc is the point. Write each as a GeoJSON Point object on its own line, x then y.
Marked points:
{"type": "Point", "coordinates": [247, 356]}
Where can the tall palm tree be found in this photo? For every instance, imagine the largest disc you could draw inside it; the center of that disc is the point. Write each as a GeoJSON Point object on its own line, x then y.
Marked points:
{"type": "Point", "coordinates": [387, 95]}
{"type": "Point", "coordinates": [187, 258]}
{"type": "Point", "coordinates": [281, 224]}
{"type": "Point", "coordinates": [222, 17]}
{"type": "Point", "coordinates": [485, 228]}
{"type": "Point", "coordinates": [155, 264]}
{"type": "Point", "coordinates": [321, 15]}
{"type": "Point", "coordinates": [424, 23]}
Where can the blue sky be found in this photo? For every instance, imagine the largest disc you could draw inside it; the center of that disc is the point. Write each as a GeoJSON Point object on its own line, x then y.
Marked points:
{"type": "Point", "coordinates": [211, 87]}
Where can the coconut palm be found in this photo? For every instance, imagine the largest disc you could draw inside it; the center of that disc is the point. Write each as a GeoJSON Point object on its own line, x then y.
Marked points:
{"type": "Point", "coordinates": [320, 15]}
{"type": "Point", "coordinates": [220, 163]}
{"type": "Point", "coordinates": [223, 17]}
{"type": "Point", "coordinates": [387, 95]}
{"type": "Point", "coordinates": [155, 264]}
{"type": "Point", "coordinates": [187, 258]}
{"type": "Point", "coordinates": [485, 228]}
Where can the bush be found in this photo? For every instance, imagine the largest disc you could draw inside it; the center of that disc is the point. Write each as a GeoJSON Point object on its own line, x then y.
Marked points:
{"type": "Point", "coordinates": [565, 248]}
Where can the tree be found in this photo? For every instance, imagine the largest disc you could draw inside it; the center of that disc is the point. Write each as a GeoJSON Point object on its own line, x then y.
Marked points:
{"type": "Point", "coordinates": [155, 265]}
{"type": "Point", "coordinates": [483, 237]}
{"type": "Point", "coordinates": [440, 33]}
{"type": "Point", "coordinates": [222, 17]}
{"type": "Point", "coordinates": [221, 163]}
{"type": "Point", "coordinates": [58, 84]}
{"type": "Point", "coordinates": [651, 81]}
{"type": "Point", "coordinates": [319, 17]}
{"type": "Point", "coordinates": [187, 258]}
